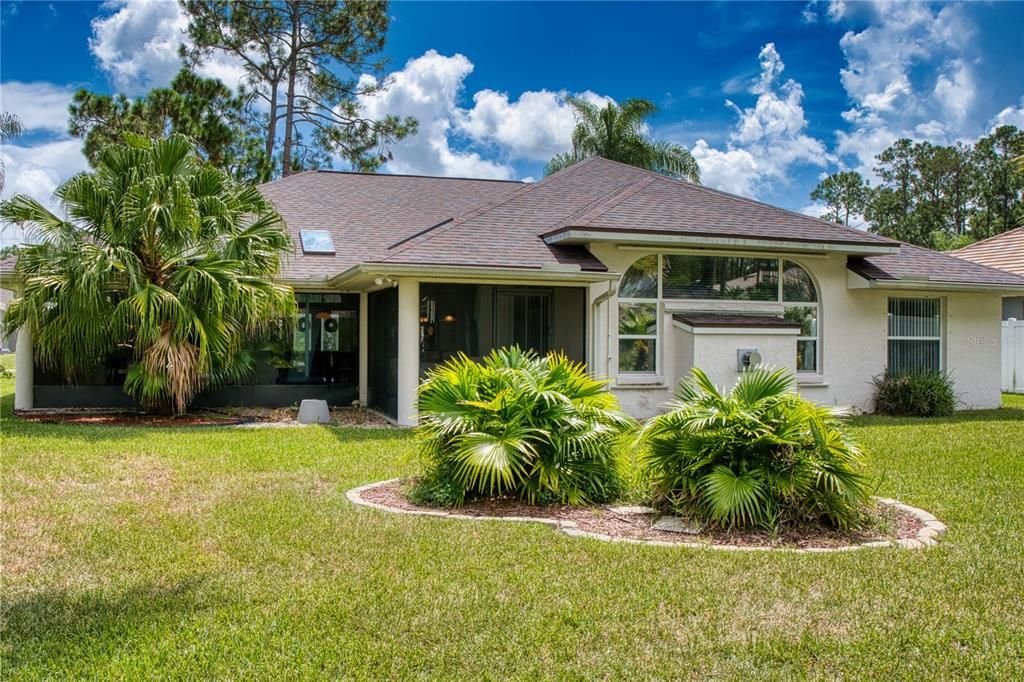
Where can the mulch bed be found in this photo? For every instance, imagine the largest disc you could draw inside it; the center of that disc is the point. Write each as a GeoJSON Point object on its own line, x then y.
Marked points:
{"type": "Point", "coordinates": [245, 417]}
{"type": "Point", "coordinates": [131, 419]}
{"type": "Point", "coordinates": [891, 523]}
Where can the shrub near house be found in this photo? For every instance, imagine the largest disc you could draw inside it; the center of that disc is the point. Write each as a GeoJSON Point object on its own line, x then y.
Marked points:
{"type": "Point", "coordinates": [759, 456]}
{"type": "Point", "coordinates": [538, 428]}
{"type": "Point", "coordinates": [915, 394]}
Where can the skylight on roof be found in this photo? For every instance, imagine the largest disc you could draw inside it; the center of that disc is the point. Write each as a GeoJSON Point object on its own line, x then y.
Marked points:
{"type": "Point", "coordinates": [316, 241]}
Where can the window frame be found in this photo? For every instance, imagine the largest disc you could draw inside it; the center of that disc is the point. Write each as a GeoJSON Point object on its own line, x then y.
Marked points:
{"type": "Point", "coordinates": [939, 338]}
{"type": "Point", "coordinates": [316, 234]}
{"type": "Point", "coordinates": [660, 306]}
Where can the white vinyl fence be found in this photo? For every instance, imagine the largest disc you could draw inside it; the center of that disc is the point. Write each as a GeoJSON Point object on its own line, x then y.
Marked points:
{"type": "Point", "coordinates": [1013, 356]}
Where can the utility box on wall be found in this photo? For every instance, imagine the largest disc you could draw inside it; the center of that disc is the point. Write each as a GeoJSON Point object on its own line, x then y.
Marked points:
{"type": "Point", "coordinates": [747, 358]}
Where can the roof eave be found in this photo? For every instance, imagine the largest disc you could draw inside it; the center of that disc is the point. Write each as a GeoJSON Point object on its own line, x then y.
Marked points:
{"type": "Point", "coordinates": [583, 236]}
{"type": "Point", "coordinates": [364, 275]}
{"type": "Point", "coordinates": [919, 284]}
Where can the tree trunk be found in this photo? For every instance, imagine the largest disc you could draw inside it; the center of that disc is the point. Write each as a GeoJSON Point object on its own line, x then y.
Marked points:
{"type": "Point", "coordinates": [289, 116]}
{"type": "Point", "coordinates": [272, 124]}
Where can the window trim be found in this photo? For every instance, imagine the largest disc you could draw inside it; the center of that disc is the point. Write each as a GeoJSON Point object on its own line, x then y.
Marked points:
{"type": "Point", "coordinates": [656, 336]}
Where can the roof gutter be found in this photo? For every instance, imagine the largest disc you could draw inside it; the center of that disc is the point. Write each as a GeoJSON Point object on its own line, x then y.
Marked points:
{"type": "Point", "coordinates": [574, 236]}
{"type": "Point", "coordinates": [930, 285]}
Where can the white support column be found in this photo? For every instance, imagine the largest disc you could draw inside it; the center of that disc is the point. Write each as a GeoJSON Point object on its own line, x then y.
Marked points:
{"type": "Point", "coordinates": [364, 349]}
{"type": "Point", "coordinates": [24, 379]}
{"type": "Point", "coordinates": [408, 349]}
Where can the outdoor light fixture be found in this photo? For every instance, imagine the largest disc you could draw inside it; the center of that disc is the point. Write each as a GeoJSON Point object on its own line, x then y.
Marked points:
{"type": "Point", "coordinates": [448, 318]}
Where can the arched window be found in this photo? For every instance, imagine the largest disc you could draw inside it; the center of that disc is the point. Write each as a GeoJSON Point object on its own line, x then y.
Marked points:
{"type": "Point", "coordinates": [801, 300]}
{"type": "Point", "coordinates": [662, 278]}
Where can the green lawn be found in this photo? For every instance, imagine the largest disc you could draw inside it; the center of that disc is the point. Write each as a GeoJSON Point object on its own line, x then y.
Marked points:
{"type": "Point", "coordinates": [211, 552]}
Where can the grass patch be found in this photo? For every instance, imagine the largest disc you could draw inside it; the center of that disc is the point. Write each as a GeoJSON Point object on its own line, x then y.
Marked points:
{"type": "Point", "coordinates": [215, 552]}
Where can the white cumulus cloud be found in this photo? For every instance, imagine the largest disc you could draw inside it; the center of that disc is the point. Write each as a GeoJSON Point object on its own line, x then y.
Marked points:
{"type": "Point", "coordinates": [535, 126]}
{"type": "Point", "coordinates": [909, 73]}
{"type": "Point", "coordinates": [1010, 116]}
{"type": "Point", "coordinates": [769, 137]}
{"type": "Point", "coordinates": [137, 44]}
{"type": "Point", "coordinates": [37, 170]}
{"type": "Point", "coordinates": [39, 105]}
{"type": "Point", "coordinates": [44, 156]}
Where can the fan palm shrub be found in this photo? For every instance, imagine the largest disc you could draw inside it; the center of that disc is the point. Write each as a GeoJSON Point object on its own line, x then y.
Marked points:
{"type": "Point", "coordinates": [538, 428]}
{"type": "Point", "coordinates": [758, 456]}
{"type": "Point", "coordinates": [161, 254]}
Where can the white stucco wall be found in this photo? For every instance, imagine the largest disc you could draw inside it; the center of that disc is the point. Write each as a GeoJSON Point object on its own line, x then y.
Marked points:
{"type": "Point", "coordinates": [716, 353]}
{"type": "Point", "coordinates": [852, 333]}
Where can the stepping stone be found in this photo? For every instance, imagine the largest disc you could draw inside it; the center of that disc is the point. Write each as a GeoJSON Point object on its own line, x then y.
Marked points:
{"type": "Point", "coordinates": [638, 509]}
{"type": "Point", "coordinates": [674, 524]}
{"type": "Point", "coordinates": [314, 412]}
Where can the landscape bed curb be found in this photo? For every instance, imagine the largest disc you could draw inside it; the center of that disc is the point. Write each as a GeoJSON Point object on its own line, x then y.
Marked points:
{"type": "Point", "coordinates": [928, 536]}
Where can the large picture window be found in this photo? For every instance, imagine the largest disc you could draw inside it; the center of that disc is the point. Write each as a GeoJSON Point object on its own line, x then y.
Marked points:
{"type": "Point", "coordinates": [656, 279]}
{"type": "Point", "coordinates": [915, 335]}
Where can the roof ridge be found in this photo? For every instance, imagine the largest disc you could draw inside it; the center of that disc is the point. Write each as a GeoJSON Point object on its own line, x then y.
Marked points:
{"type": "Point", "coordinates": [987, 239]}
{"type": "Point", "coordinates": [602, 204]}
{"type": "Point", "coordinates": [736, 197]}
{"type": "Point", "coordinates": [443, 227]}
{"type": "Point", "coordinates": [338, 171]}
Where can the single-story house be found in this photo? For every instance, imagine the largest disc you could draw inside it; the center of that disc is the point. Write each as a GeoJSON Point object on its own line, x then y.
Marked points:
{"type": "Point", "coordinates": [1003, 251]}
{"type": "Point", "coordinates": [638, 275]}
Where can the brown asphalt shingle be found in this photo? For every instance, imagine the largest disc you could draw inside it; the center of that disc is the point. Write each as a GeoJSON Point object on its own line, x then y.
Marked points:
{"type": "Point", "coordinates": [455, 221]}
{"type": "Point", "coordinates": [731, 320]}
{"type": "Point", "coordinates": [605, 195]}
{"type": "Point", "coordinates": [914, 261]}
{"type": "Point", "coordinates": [657, 204]}
{"type": "Point", "coordinates": [366, 213]}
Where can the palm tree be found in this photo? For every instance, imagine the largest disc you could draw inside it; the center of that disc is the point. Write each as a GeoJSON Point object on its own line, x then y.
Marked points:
{"type": "Point", "coordinates": [10, 127]}
{"type": "Point", "coordinates": [619, 133]}
{"type": "Point", "coordinates": [161, 254]}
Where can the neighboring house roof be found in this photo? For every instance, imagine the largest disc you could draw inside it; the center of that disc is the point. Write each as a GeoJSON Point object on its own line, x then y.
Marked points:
{"type": "Point", "coordinates": [1004, 251]}
{"type": "Point", "coordinates": [920, 264]}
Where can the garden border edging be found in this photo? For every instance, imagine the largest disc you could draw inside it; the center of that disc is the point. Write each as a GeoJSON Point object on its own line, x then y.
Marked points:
{"type": "Point", "coordinates": [928, 536]}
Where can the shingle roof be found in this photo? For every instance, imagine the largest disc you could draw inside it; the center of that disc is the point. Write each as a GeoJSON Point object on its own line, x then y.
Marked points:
{"type": "Point", "coordinates": [599, 194]}
{"type": "Point", "coordinates": [653, 203]}
{"type": "Point", "coordinates": [914, 261]}
{"type": "Point", "coordinates": [734, 320]}
{"type": "Point", "coordinates": [1004, 251]}
{"type": "Point", "coordinates": [457, 221]}
{"type": "Point", "coordinates": [366, 213]}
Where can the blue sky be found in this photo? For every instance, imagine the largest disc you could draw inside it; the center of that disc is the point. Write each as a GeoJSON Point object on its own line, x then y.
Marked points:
{"type": "Point", "coordinates": [768, 96]}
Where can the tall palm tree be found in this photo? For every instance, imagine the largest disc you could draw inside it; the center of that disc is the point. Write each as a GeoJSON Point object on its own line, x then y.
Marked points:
{"type": "Point", "coordinates": [10, 127]}
{"type": "Point", "coordinates": [160, 253]}
{"type": "Point", "coordinates": [619, 133]}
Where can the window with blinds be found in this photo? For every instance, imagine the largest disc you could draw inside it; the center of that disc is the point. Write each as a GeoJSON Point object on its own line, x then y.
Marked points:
{"type": "Point", "coordinates": [915, 335]}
